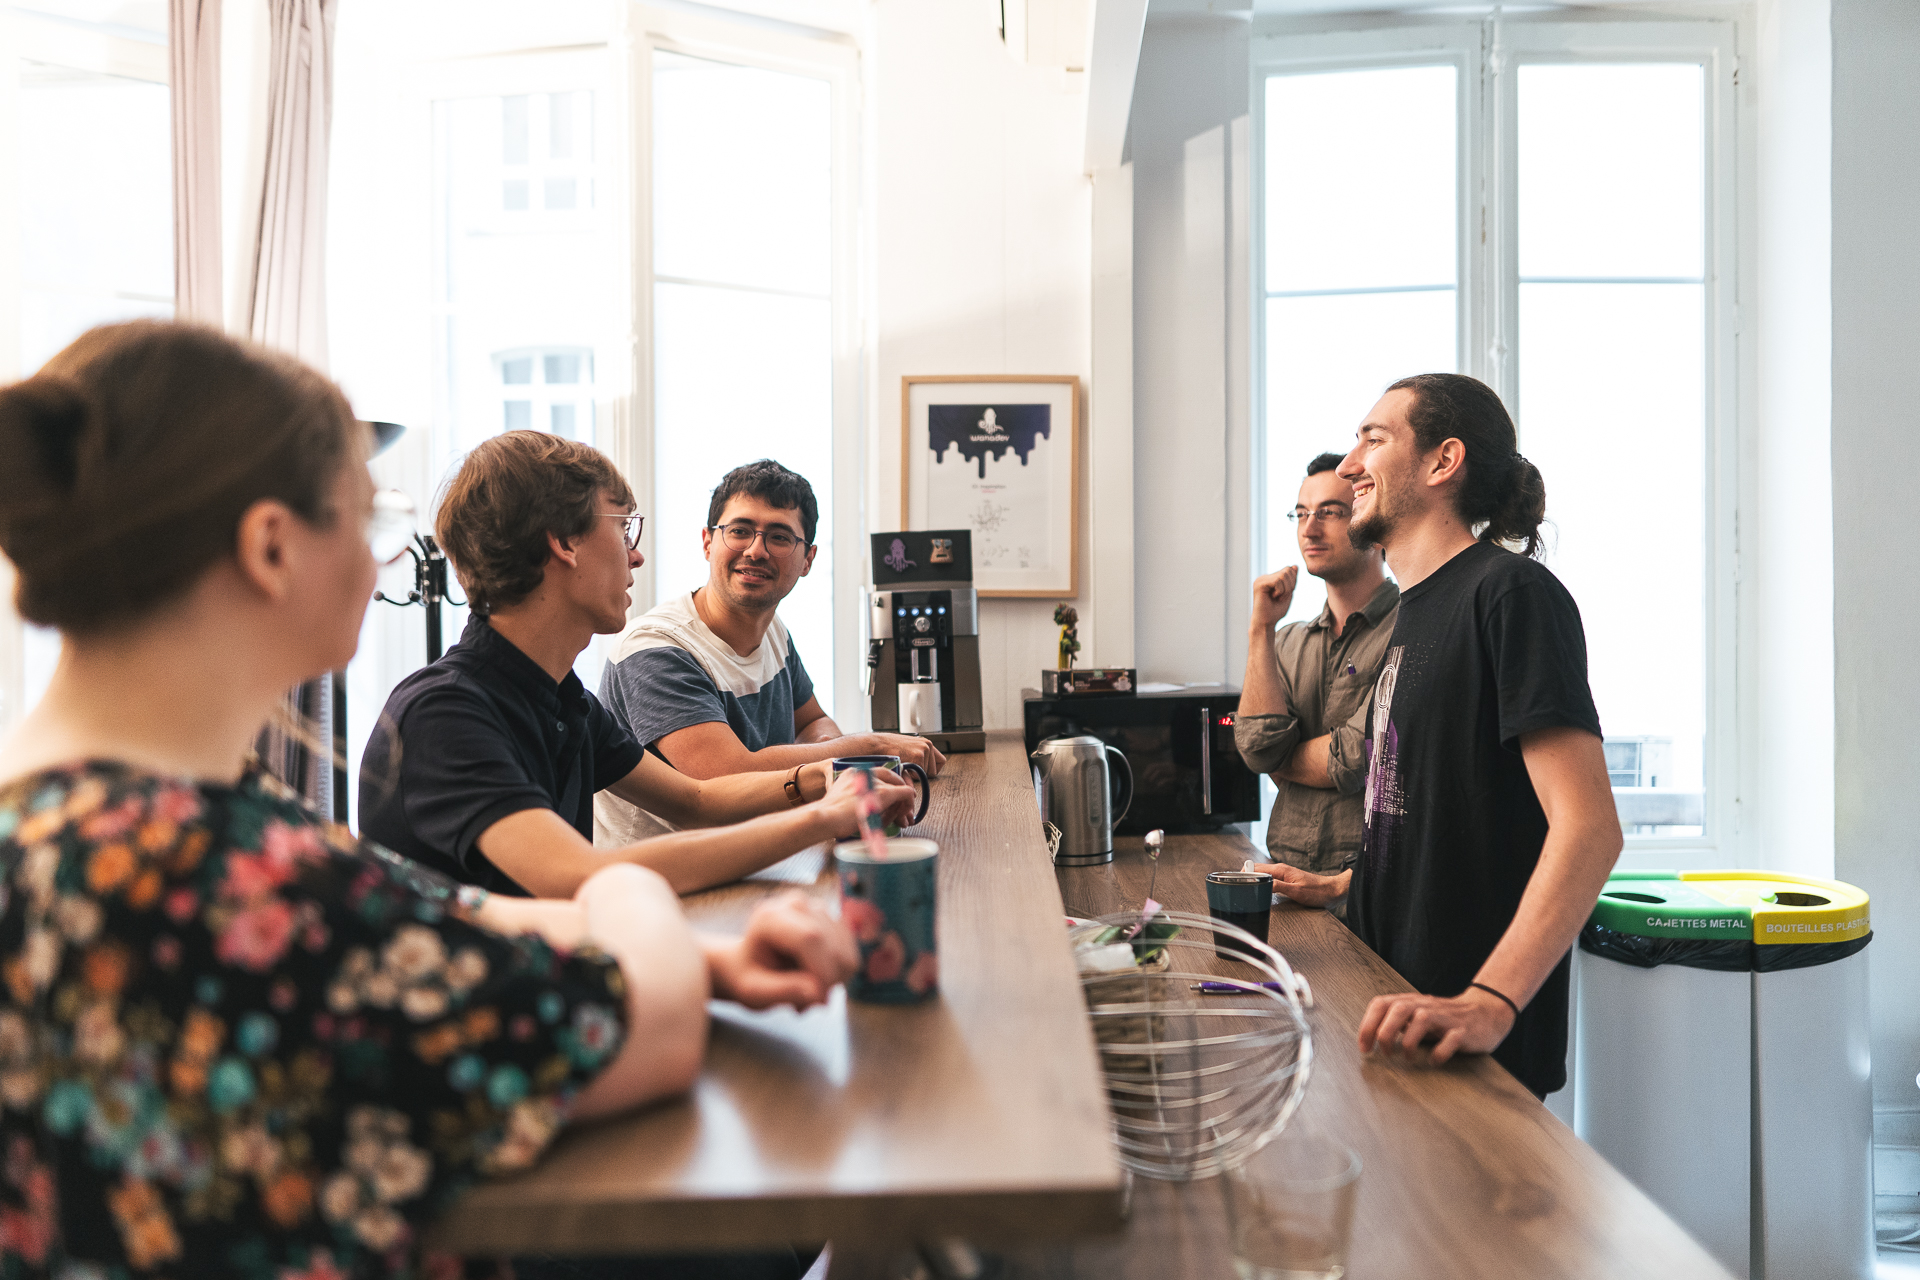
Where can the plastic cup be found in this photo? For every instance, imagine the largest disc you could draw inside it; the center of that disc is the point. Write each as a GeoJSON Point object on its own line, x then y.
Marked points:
{"type": "Point", "coordinates": [1290, 1210]}
{"type": "Point", "coordinates": [888, 904]}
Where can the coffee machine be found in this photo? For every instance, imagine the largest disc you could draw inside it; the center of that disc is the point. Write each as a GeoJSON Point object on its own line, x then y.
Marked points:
{"type": "Point", "coordinates": [923, 648]}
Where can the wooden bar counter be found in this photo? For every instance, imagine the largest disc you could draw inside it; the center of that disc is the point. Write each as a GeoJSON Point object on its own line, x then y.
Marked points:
{"type": "Point", "coordinates": [1464, 1176]}
{"type": "Point", "coordinates": [981, 1115]}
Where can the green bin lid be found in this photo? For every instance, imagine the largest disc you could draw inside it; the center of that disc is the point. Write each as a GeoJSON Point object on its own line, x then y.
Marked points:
{"type": "Point", "coordinates": [1663, 906]}
{"type": "Point", "coordinates": [1768, 908]}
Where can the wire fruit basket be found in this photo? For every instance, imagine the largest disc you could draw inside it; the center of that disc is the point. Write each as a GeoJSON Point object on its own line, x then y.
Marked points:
{"type": "Point", "coordinates": [1197, 1083]}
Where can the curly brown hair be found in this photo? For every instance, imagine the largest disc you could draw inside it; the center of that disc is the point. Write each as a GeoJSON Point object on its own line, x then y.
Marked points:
{"type": "Point", "coordinates": [508, 495]}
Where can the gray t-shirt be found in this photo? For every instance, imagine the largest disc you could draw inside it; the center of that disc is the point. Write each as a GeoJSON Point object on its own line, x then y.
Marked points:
{"type": "Point", "coordinates": [669, 672]}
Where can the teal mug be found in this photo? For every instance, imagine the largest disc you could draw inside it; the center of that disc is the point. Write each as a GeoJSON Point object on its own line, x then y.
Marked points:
{"type": "Point", "coordinates": [888, 905]}
{"type": "Point", "coordinates": [843, 763]}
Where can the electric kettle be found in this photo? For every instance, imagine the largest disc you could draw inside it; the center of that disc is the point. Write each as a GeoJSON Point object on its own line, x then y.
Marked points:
{"type": "Point", "coordinates": [1077, 799]}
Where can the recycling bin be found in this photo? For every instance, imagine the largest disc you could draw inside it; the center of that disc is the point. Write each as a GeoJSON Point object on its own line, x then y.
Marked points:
{"type": "Point", "coordinates": [1721, 1062]}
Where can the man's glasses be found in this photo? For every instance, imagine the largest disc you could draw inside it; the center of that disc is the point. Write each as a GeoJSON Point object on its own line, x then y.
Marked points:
{"type": "Point", "coordinates": [390, 526]}
{"type": "Point", "coordinates": [630, 532]}
{"type": "Point", "coordinates": [739, 537]}
{"type": "Point", "coordinates": [1330, 513]}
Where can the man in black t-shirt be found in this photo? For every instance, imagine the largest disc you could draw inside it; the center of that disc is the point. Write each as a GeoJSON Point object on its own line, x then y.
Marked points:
{"type": "Point", "coordinates": [1489, 826]}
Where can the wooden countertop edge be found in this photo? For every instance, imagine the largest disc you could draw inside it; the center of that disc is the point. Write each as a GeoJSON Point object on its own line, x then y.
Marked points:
{"type": "Point", "coordinates": [1014, 1216]}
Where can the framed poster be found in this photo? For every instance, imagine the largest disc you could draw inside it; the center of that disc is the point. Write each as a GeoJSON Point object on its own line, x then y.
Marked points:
{"type": "Point", "coordinates": [997, 455]}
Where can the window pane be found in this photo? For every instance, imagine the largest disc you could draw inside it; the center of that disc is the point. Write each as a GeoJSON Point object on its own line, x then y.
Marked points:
{"type": "Point", "coordinates": [560, 126]}
{"type": "Point", "coordinates": [711, 416]}
{"type": "Point", "coordinates": [1613, 413]}
{"type": "Point", "coordinates": [1328, 360]}
{"type": "Point", "coordinates": [742, 197]}
{"type": "Point", "coordinates": [1612, 170]}
{"type": "Point", "coordinates": [1361, 185]}
{"type": "Point", "coordinates": [513, 130]}
{"type": "Point", "coordinates": [95, 189]}
{"type": "Point", "coordinates": [96, 207]}
{"type": "Point", "coordinates": [1612, 194]}
{"type": "Point", "coordinates": [742, 175]}
{"type": "Point", "coordinates": [545, 286]}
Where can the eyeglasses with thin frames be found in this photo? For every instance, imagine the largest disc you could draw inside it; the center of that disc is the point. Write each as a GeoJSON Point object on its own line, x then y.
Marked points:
{"type": "Point", "coordinates": [1327, 513]}
{"type": "Point", "coordinates": [631, 533]}
{"type": "Point", "coordinates": [778, 542]}
{"type": "Point", "coordinates": [391, 526]}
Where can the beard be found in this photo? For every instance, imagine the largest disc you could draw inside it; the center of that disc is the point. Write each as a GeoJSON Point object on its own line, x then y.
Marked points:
{"type": "Point", "coordinates": [1371, 530]}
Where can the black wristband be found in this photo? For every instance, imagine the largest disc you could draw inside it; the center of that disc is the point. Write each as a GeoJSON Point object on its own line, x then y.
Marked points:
{"type": "Point", "coordinates": [1503, 998]}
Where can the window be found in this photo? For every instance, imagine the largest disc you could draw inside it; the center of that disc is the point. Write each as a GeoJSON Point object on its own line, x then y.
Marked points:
{"type": "Point", "coordinates": [1546, 206]}
{"type": "Point", "coordinates": [523, 246]}
{"type": "Point", "coordinates": [548, 389]}
{"type": "Point", "coordinates": [546, 152]}
{"type": "Point", "coordinates": [743, 340]}
{"type": "Point", "coordinates": [90, 186]}
{"type": "Point", "coordinates": [629, 227]}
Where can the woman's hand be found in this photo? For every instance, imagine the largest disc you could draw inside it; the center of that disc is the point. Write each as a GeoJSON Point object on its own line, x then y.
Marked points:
{"type": "Point", "coordinates": [1303, 887]}
{"type": "Point", "coordinates": [1472, 1022]}
{"type": "Point", "coordinates": [792, 953]}
{"type": "Point", "coordinates": [890, 791]}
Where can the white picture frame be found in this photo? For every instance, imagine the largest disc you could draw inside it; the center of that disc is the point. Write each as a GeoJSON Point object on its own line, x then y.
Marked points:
{"type": "Point", "coordinates": [999, 455]}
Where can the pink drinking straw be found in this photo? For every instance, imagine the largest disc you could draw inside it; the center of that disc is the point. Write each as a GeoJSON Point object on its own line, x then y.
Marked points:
{"type": "Point", "coordinates": [869, 817]}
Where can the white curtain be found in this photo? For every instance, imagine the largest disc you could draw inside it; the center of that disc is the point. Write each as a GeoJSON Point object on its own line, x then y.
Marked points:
{"type": "Point", "coordinates": [193, 42]}
{"type": "Point", "coordinates": [287, 304]}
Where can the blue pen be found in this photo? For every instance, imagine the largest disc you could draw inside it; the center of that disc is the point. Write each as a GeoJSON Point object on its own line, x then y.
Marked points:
{"type": "Point", "coordinates": [1233, 988]}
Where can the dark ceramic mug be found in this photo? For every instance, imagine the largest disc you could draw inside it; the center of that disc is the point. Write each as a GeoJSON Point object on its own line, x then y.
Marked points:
{"type": "Point", "coordinates": [844, 763]}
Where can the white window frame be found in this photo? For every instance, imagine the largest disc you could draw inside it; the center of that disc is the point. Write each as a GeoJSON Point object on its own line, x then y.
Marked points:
{"type": "Point", "coordinates": [1486, 54]}
{"type": "Point", "coordinates": [836, 60]}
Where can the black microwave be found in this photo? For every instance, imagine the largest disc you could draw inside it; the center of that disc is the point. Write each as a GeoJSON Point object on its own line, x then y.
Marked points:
{"type": "Point", "coordinates": [1187, 774]}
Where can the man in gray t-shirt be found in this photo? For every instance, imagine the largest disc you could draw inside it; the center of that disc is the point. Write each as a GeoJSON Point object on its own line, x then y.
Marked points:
{"type": "Point", "coordinates": [710, 681]}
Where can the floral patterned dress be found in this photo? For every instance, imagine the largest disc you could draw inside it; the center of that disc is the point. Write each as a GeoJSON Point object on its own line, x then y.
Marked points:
{"type": "Point", "coordinates": [233, 1046]}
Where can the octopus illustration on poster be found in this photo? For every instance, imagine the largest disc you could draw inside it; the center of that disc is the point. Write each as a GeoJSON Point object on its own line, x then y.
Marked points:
{"type": "Point", "coordinates": [990, 471]}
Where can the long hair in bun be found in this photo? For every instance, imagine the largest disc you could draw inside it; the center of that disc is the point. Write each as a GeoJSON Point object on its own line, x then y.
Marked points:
{"type": "Point", "coordinates": [131, 456]}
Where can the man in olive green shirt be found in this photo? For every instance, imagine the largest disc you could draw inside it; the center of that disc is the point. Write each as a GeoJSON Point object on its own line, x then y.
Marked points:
{"type": "Point", "coordinates": [1303, 707]}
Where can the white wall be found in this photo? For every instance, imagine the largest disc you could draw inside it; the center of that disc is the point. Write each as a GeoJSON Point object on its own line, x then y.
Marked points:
{"type": "Point", "coordinates": [1192, 475]}
{"type": "Point", "coordinates": [982, 261]}
{"type": "Point", "coordinates": [1787, 793]}
{"type": "Point", "coordinates": [1876, 518]}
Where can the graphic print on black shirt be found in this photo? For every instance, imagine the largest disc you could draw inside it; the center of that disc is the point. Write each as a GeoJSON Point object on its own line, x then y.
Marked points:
{"type": "Point", "coordinates": [1487, 649]}
{"type": "Point", "coordinates": [1385, 802]}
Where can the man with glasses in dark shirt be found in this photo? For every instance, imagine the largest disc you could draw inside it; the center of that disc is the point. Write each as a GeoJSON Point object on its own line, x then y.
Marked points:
{"type": "Point", "coordinates": [710, 681]}
{"type": "Point", "coordinates": [484, 764]}
{"type": "Point", "coordinates": [1303, 707]}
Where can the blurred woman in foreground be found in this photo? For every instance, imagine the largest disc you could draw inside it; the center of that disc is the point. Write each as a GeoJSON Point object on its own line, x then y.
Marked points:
{"type": "Point", "coordinates": [233, 1044]}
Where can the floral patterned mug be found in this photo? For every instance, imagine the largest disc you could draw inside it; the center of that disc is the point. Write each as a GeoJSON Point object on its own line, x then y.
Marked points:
{"type": "Point", "coordinates": [888, 904]}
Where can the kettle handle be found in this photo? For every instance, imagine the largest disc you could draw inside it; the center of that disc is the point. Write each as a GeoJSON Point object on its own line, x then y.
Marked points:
{"type": "Point", "coordinates": [1126, 793]}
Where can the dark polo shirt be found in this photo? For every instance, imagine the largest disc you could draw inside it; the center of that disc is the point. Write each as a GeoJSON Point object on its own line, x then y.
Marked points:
{"type": "Point", "coordinates": [475, 737]}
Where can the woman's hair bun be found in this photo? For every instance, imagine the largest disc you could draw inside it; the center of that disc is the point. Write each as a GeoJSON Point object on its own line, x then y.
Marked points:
{"type": "Point", "coordinates": [42, 422]}
{"type": "Point", "coordinates": [44, 425]}
{"type": "Point", "coordinates": [128, 460]}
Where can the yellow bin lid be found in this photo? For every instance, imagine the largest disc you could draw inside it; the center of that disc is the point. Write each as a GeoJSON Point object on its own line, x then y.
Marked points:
{"type": "Point", "coordinates": [1789, 909]}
